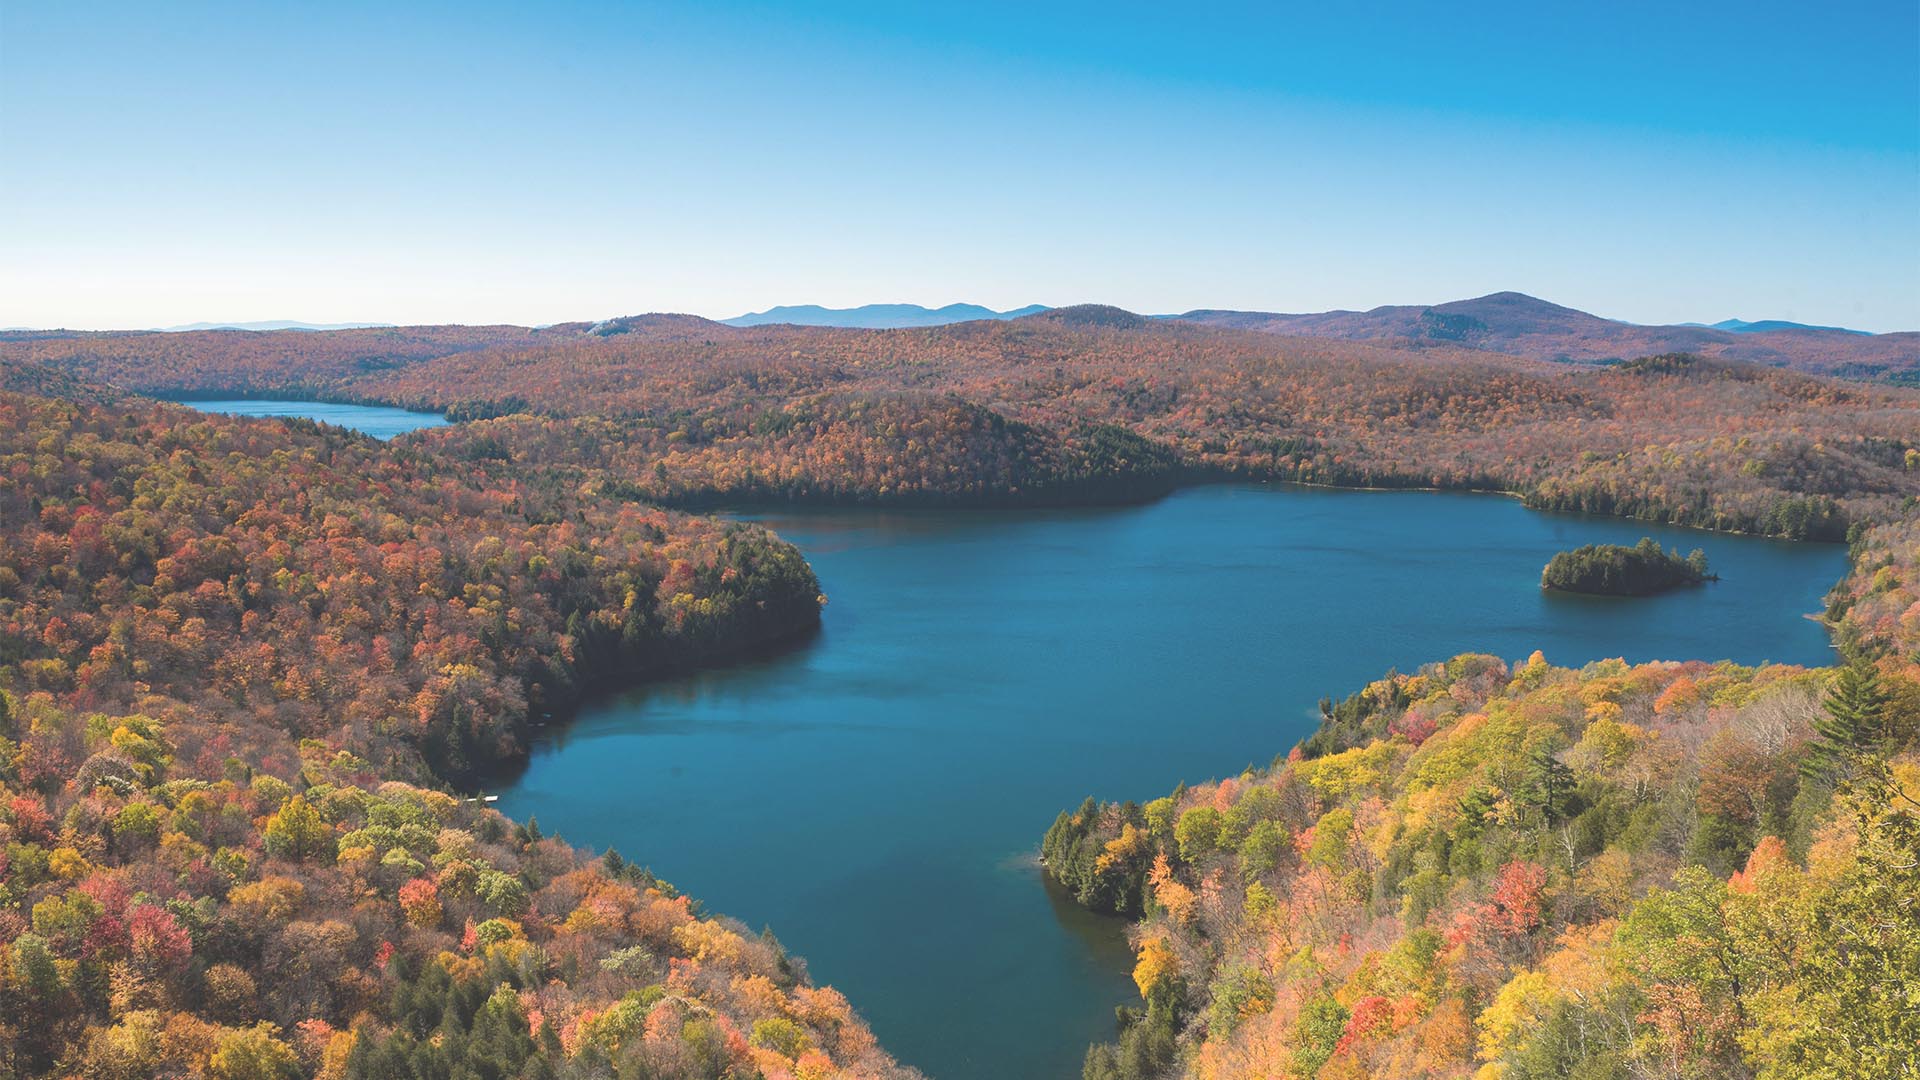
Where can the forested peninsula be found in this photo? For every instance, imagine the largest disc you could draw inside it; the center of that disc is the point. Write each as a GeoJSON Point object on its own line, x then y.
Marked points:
{"type": "Point", "coordinates": [241, 663]}
{"type": "Point", "coordinates": [1525, 871]}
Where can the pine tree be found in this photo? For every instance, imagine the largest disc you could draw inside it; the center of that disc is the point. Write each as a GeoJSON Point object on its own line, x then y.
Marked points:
{"type": "Point", "coordinates": [1477, 806]}
{"type": "Point", "coordinates": [1855, 718]}
{"type": "Point", "coordinates": [1549, 782]}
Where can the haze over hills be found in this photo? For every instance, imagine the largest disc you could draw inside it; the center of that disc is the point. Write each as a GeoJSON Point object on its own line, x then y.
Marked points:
{"type": "Point", "coordinates": [1507, 323]}
{"type": "Point", "coordinates": [1742, 326]}
{"type": "Point", "coordinates": [273, 324]}
{"type": "Point", "coordinates": [1079, 403]}
{"type": "Point", "coordinates": [1522, 325]}
{"type": "Point", "coordinates": [876, 316]}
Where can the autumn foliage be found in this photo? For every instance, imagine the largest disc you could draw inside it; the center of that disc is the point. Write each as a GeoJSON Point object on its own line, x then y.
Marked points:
{"type": "Point", "coordinates": [222, 641]}
{"type": "Point", "coordinates": [280, 581]}
{"type": "Point", "coordinates": [1611, 871]}
{"type": "Point", "coordinates": [1671, 869]}
{"type": "Point", "coordinates": [238, 657]}
{"type": "Point", "coordinates": [1082, 404]}
{"type": "Point", "coordinates": [227, 926]}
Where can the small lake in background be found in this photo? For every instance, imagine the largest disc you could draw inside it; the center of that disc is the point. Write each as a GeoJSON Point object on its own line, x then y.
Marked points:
{"type": "Point", "coordinates": [379, 421]}
{"type": "Point", "coordinates": [877, 795]}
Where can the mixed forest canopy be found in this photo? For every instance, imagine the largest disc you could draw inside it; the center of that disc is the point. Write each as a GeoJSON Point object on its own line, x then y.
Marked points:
{"type": "Point", "coordinates": [244, 665]}
{"type": "Point", "coordinates": [1078, 404]}
{"type": "Point", "coordinates": [1670, 869]}
{"type": "Point", "coordinates": [237, 659]}
{"type": "Point", "coordinates": [1622, 570]}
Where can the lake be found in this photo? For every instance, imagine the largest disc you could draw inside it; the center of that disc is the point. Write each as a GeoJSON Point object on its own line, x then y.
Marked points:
{"type": "Point", "coordinates": [379, 421]}
{"type": "Point", "coordinates": [878, 794]}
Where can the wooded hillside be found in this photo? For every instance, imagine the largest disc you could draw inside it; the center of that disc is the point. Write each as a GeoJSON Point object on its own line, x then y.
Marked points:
{"type": "Point", "coordinates": [222, 645]}
{"type": "Point", "coordinates": [1671, 869]}
{"type": "Point", "coordinates": [680, 409]}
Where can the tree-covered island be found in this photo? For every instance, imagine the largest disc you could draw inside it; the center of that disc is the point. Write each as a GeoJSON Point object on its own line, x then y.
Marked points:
{"type": "Point", "coordinates": [1619, 570]}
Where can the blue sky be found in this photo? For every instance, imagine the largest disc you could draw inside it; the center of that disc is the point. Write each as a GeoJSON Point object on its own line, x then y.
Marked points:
{"type": "Point", "coordinates": [162, 164]}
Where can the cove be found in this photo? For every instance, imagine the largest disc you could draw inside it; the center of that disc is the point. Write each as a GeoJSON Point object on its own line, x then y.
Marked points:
{"type": "Point", "coordinates": [877, 795]}
{"type": "Point", "coordinates": [379, 421]}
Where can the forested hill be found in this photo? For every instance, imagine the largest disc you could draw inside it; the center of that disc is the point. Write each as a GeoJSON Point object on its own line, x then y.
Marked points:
{"type": "Point", "coordinates": [224, 644]}
{"type": "Point", "coordinates": [1084, 404]}
{"type": "Point", "coordinates": [281, 579]}
{"type": "Point", "coordinates": [1522, 325]}
{"type": "Point", "coordinates": [1530, 872]}
{"type": "Point", "coordinates": [238, 362]}
{"type": "Point", "coordinates": [876, 316]}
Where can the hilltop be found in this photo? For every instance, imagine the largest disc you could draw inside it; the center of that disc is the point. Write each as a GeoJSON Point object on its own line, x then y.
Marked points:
{"type": "Point", "coordinates": [1742, 326]}
{"type": "Point", "coordinates": [1086, 403]}
{"type": "Point", "coordinates": [875, 316]}
{"type": "Point", "coordinates": [1522, 325]}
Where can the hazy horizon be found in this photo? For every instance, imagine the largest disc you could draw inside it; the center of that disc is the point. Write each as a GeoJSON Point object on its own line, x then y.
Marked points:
{"type": "Point", "coordinates": [349, 323]}
{"type": "Point", "coordinates": [581, 160]}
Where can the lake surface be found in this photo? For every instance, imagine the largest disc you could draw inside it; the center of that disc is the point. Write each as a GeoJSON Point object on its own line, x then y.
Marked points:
{"type": "Point", "coordinates": [877, 795]}
{"type": "Point", "coordinates": [379, 421]}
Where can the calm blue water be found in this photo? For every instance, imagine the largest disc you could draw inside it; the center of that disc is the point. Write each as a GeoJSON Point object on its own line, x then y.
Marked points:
{"type": "Point", "coordinates": [379, 421]}
{"type": "Point", "coordinates": [877, 796]}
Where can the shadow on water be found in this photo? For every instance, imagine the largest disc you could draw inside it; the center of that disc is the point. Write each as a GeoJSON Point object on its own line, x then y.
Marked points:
{"type": "Point", "coordinates": [1103, 937]}
{"type": "Point", "coordinates": [632, 695]}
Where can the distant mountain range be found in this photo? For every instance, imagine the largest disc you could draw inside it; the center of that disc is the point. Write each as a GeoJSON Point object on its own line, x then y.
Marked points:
{"type": "Point", "coordinates": [877, 316]}
{"type": "Point", "coordinates": [1510, 323]}
{"type": "Point", "coordinates": [1742, 326]}
{"type": "Point", "coordinates": [275, 324]}
{"type": "Point", "coordinates": [1521, 325]}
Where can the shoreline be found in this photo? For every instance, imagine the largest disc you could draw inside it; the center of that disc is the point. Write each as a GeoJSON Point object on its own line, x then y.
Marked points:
{"type": "Point", "coordinates": [1185, 475]}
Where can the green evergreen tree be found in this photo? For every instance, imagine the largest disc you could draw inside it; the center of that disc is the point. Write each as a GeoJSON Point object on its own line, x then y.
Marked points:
{"type": "Point", "coordinates": [1850, 731]}
{"type": "Point", "coordinates": [1549, 781]}
{"type": "Point", "coordinates": [1475, 807]}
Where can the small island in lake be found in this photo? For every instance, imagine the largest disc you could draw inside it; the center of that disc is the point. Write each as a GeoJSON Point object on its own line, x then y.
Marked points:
{"type": "Point", "coordinates": [1618, 570]}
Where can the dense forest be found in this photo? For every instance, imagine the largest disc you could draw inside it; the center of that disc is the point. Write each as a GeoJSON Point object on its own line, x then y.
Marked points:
{"type": "Point", "coordinates": [225, 644]}
{"type": "Point", "coordinates": [1671, 869]}
{"type": "Point", "coordinates": [288, 580]}
{"type": "Point", "coordinates": [1875, 610]}
{"type": "Point", "coordinates": [1082, 404]}
{"type": "Point", "coordinates": [243, 662]}
{"type": "Point", "coordinates": [1621, 570]}
{"type": "Point", "coordinates": [245, 926]}
{"type": "Point", "coordinates": [226, 363]}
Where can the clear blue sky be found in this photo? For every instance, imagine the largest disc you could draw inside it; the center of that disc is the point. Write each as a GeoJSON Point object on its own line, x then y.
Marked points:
{"type": "Point", "coordinates": [168, 163]}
